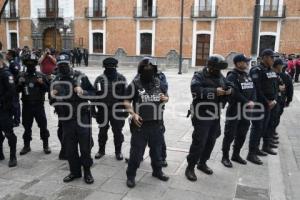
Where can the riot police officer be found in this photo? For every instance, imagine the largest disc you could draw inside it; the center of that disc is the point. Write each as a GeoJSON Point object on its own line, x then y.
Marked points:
{"type": "Point", "coordinates": [264, 79]}
{"type": "Point", "coordinates": [111, 87]}
{"type": "Point", "coordinates": [237, 123]}
{"type": "Point", "coordinates": [33, 85]}
{"type": "Point", "coordinates": [164, 86]}
{"type": "Point", "coordinates": [284, 98]}
{"type": "Point", "coordinates": [7, 93]}
{"type": "Point", "coordinates": [209, 90]}
{"type": "Point", "coordinates": [70, 93]}
{"type": "Point", "coordinates": [14, 69]}
{"type": "Point", "coordinates": [146, 123]}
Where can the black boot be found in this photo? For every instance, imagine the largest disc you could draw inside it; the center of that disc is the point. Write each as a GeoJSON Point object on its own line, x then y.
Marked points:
{"type": "Point", "coordinates": [237, 158]}
{"type": "Point", "coordinates": [160, 175]}
{"type": "Point", "coordinates": [272, 145]}
{"type": "Point", "coordinates": [261, 153]}
{"type": "Point", "coordinates": [88, 178]}
{"type": "Point", "coordinates": [190, 173]}
{"type": "Point", "coordinates": [71, 177]}
{"type": "Point", "coordinates": [46, 147]}
{"type": "Point", "coordinates": [225, 160]}
{"type": "Point", "coordinates": [266, 148]}
{"type": "Point", "coordinates": [13, 158]}
{"type": "Point", "coordinates": [100, 153]}
{"type": "Point", "coordinates": [254, 159]}
{"type": "Point", "coordinates": [205, 169]}
{"type": "Point", "coordinates": [130, 182]}
{"type": "Point", "coordinates": [118, 152]}
{"type": "Point", "coordinates": [273, 141]}
{"type": "Point", "coordinates": [26, 149]}
{"type": "Point", "coordinates": [2, 157]}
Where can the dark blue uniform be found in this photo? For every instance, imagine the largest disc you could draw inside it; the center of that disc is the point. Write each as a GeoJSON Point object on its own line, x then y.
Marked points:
{"type": "Point", "coordinates": [104, 85]}
{"type": "Point", "coordinates": [206, 126]}
{"type": "Point", "coordinates": [14, 68]}
{"type": "Point", "coordinates": [73, 133]}
{"type": "Point", "coordinates": [7, 93]}
{"type": "Point", "coordinates": [146, 103]}
{"type": "Point", "coordinates": [284, 99]}
{"type": "Point", "coordinates": [265, 84]}
{"type": "Point", "coordinates": [33, 98]}
{"type": "Point", "coordinates": [237, 125]}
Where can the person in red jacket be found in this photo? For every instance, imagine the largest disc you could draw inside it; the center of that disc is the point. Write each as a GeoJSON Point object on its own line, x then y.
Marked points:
{"type": "Point", "coordinates": [297, 66]}
{"type": "Point", "coordinates": [47, 62]}
{"type": "Point", "coordinates": [291, 66]}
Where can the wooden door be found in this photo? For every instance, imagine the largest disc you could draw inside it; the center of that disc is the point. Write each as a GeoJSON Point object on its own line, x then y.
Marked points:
{"type": "Point", "coordinates": [202, 49]}
{"type": "Point", "coordinates": [49, 39]}
{"type": "Point", "coordinates": [266, 42]}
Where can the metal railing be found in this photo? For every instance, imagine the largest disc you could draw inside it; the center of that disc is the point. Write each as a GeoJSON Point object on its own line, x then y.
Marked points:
{"type": "Point", "coordinates": [95, 13]}
{"type": "Point", "coordinates": [50, 13]}
{"type": "Point", "coordinates": [149, 12]}
{"type": "Point", "coordinates": [8, 14]}
{"type": "Point", "coordinates": [204, 12]}
{"type": "Point", "coordinates": [273, 11]}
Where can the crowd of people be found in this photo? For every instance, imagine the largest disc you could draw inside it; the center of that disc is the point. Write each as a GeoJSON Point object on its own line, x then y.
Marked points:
{"type": "Point", "coordinates": [255, 97]}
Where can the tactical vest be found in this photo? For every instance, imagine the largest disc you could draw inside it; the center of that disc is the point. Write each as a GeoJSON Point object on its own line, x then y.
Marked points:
{"type": "Point", "coordinates": [148, 104]}
{"type": "Point", "coordinates": [103, 84]}
{"type": "Point", "coordinates": [246, 84]}
{"type": "Point", "coordinates": [32, 92]}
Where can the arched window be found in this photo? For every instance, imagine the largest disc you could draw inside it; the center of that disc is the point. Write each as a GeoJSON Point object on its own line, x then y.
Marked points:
{"type": "Point", "coordinates": [98, 42]}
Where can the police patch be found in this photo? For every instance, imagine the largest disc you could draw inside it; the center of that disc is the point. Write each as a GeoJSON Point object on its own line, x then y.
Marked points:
{"type": "Point", "coordinates": [11, 79]}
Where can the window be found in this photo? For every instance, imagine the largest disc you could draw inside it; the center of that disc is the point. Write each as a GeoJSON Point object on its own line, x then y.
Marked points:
{"type": "Point", "coordinates": [147, 8]}
{"type": "Point", "coordinates": [97, 8]}
{"type": "Point", "coordinates": [13, 40]}
{"type": "Point", "coordinates": [146, 44]}
{"type": "Point", "coordinates": [12, 8]}
{"type": "Point", "coordinates": [97, 42]}
{"type": "Point", "coordinates": [270, 5]}
{"type": "Point", "coordinates": [51, 8]}
{"type": "Point", "coordinates": [205, 5]}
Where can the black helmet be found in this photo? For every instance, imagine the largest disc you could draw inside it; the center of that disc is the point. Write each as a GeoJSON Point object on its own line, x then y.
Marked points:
{"type": "Point", "coordinates": [147, 61]}
{"type": "Point", "coordinates": [217, 62]}
{"type": "Point", "coordinates": [30, 59]}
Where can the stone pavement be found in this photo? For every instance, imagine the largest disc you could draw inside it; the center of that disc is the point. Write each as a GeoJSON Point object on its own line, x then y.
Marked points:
{"type": "Point", "coordinates": [39, 176]}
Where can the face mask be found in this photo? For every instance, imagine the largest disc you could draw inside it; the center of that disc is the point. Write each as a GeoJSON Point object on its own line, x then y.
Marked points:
{"type": "Point", "coordinates": [65, 70]}
{"type": "Point", "coordinates": [147, 75]}
{"type": "Point", "coordinates": [214, 72]}
{"type": "Point", "coordinates": [110, 71]}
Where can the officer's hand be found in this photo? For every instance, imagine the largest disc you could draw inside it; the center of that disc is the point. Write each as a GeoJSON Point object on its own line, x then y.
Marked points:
{"type": "Point", "coordinates": [40, 81]}
{"type": "Point", "coordinates": [220, 91]}
{"type": "Point", "coordinates": [250, 104]}
{"type": "Point", "coordinates": [164, 98]}
{"type": "Point", "coordinates": [282, 88]}
{"type": "Point", "coordinates": [272, 104]}
{"type": "Point", "coordinates": [53, 93]}
{"type": "Point", "coordinates": [137, 120]}
{"type": "Point", "coordinates": [78, 90]}
{"type": "Point", "coordinates": [228, 92]}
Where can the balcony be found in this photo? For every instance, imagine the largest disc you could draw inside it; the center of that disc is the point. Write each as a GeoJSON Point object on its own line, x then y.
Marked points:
{"type": "Point", "coordinates": [273, 11]}
{"type": "Point", "coordinates": [47, 14]}
{"type": "Point", "coordinates": [93, 13]}
{"type": "Point", "coordinates": [10, 15]}
{"type": "Point", "coordinates": [142, 12]}
{"type": "Point", "coordinates": [204, 12]}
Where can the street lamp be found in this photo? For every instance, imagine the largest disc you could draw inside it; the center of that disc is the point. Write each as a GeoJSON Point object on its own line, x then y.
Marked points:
{"type": "Point", "coordinates": [181, 37]}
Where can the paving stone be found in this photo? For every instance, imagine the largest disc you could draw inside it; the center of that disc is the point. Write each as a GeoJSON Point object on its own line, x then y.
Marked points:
{"type": "Point", "coordinates": [251, 193]}
{"type": "Point", "coordinates": [72, 193]}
